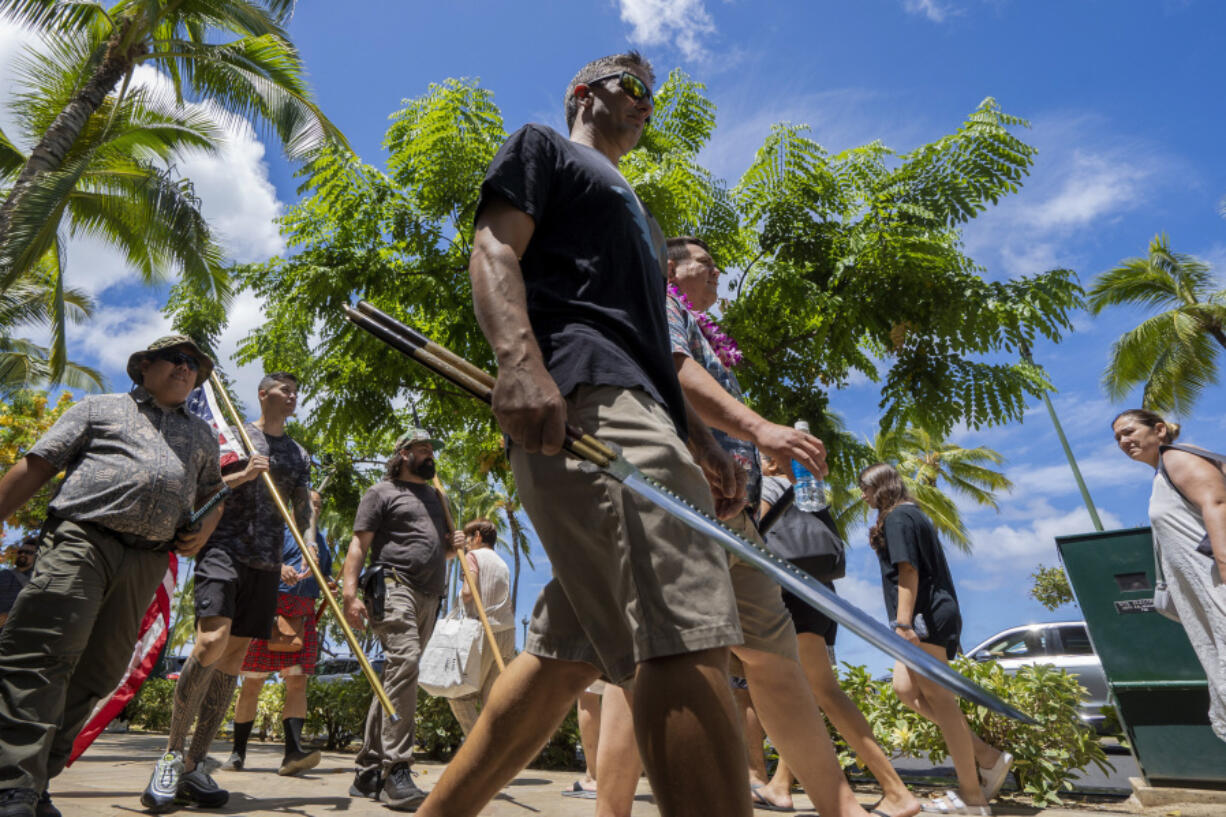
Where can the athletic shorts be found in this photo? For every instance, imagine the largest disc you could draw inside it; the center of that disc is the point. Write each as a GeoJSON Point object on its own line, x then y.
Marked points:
{"type": "Point", "coordinates": [809, 620]}
{"type": "Point", "coordinates": [631, 582]}
{"type": "Point", "coordinates": [765, 620]}
{"type": "Point", "coordinates": [226, 587]}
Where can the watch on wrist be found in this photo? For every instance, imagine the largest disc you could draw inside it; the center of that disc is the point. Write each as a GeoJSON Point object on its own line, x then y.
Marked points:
{"type": "Point", "coordinates": [898, 625]}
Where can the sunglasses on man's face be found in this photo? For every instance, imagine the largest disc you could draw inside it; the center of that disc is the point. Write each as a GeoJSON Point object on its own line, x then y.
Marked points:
{"type": "Point", "coordinates": [176, 359]}
{"type": "Point", "coordinates": [634, 87]}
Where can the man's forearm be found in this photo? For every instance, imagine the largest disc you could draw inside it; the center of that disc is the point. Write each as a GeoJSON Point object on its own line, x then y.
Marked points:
{"type": "Point", "coordinates": [501, 304]}
{"type": "Point", "coordinates": [354, 560]}
{"type": "Point", "coordinates": [21, 482]}
{"type": "Point", "coordinates": [713, 404]}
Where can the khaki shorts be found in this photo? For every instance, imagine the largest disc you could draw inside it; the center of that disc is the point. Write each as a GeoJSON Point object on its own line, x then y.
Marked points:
{"type": "Point", "coordinates": [765, 619]}
{"type": "Point", "coordinates": [630, 581]}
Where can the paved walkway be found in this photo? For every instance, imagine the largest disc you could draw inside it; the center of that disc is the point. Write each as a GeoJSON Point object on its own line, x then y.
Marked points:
{"type": "Point", "coordinates": [108, 779]}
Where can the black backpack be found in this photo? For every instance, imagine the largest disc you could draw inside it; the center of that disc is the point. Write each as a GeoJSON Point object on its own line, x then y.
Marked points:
{"type": "Point", "coordinates": [807, 539]}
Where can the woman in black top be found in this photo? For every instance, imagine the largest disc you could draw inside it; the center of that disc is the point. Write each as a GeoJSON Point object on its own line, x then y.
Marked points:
{"type": "Point", "coordinates": [923, 608]}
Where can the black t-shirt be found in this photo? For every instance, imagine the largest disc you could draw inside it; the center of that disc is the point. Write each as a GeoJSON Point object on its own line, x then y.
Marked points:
{"type": "Point", "coordinates": [410, 532]}
{"type": "Point", "coordinates": [595, 270]}
{"type": "Point", "coordinates": [910, 537]}
{"type": "Point", "coordinates": [251, 527]}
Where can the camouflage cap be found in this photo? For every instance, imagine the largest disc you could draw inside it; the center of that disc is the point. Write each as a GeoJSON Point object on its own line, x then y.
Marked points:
{"type": "Point", "coordinates": [172, 342]}
{"type": "Point", "coordinates": [418, 435]}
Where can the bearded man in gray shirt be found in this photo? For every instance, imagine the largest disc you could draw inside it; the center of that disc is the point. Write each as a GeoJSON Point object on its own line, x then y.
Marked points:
{"type": "Point", "coordinates": [136, 464]}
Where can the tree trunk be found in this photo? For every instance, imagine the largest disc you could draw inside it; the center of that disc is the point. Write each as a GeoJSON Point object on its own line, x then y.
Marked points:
{"type": "Point", "coordinates": [48, 155]}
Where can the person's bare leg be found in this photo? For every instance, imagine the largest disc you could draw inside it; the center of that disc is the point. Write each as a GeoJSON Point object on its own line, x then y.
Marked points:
{"type": "Point", "coordinates": [754, 737]}
{"type": "Point", "coordinates": [295, 697]}
{"type": "Point", "coordinates": [786, 706]}
{"type": "Point", "coordinates": [853, 726]}
{"type": "Point", "coordinates": [248, 704]}
{"type": "Point", "coordinates": [216, 701]}
{"type": "Point", "coordinates": [212, 635]}
{"type": "Point", "coordinates": [689, 736]}
{"type": "Point", "coordinates": [526, 704]}
{"type": "Point", "coordinates": [617, 754]}
{"type": "Point", "coordinates": [912, 696]}
{"type": "Point", "coordinates": [588, 715]}
{"type": "Point", "coordinates": [947, 715]}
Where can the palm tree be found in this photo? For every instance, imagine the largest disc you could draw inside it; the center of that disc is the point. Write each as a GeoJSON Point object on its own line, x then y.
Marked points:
{"type": "Point", "coordinates": [1174, 353]}
{"type": "Point", "coordinates": [233, 53]}
{"type": "Point", "coordinates": [35, 299]}
{"type": "Point", "coordinates": [119, 190]}
{"type": "Point", "coordinates": [934, 472]}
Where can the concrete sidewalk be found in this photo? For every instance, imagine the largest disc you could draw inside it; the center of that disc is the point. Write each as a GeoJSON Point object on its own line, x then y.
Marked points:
{"type": "Point", "coordinates": [108, 779]}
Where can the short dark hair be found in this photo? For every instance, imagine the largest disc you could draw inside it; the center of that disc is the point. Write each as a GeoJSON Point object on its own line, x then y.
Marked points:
{"type": "Point", "coordinates": [678, 247]}
{"type": "Point", "coordinates": [598, 68]}
{"type": "Point", "coordinates": [272, 378]}
{"type": "Point", "coordinates": [483, 528]}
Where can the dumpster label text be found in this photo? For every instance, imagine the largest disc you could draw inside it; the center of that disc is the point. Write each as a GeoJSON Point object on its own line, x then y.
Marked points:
{"type": "Point", "coordinates": [1134, 606]}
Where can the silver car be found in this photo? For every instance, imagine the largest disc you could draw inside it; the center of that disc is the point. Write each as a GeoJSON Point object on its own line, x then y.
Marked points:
{"type": "Point", "coordinates": [1062, 644]}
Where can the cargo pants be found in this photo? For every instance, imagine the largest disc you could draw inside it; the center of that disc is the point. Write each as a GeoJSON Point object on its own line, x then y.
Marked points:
{"type": "Point", "coordinates": [67, 643]}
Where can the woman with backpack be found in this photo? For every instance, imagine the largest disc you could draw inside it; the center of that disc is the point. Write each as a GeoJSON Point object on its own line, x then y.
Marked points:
{"type": "Point", "coordinates": [815, 534]}
{"type": "Point", "coordinates": [923, 608]}
{"type": "Point", "coordinates": [1187, 512]}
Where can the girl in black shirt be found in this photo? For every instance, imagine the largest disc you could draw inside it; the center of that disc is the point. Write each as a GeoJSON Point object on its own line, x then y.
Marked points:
{"type": "Point", "coordinates": [923, 608]}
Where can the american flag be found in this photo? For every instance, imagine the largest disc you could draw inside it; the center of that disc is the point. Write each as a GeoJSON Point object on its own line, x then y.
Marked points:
{"type": "Point", "coordinates": [155, 626]}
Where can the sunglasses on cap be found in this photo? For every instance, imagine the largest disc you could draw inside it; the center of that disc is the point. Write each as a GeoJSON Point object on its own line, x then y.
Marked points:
{"type": "Point", "coordinates": [177, 358]}
{"type": "Point", "coordinates": [634, 87]}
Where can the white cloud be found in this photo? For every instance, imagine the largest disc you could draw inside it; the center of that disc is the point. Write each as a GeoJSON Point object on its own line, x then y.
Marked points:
{"type": "Point", "coordinates": [934, 11]}
{"type": "Point", "coordinates": [655, 22]}
{"type": "Point", "coordinates": [1011, 552]}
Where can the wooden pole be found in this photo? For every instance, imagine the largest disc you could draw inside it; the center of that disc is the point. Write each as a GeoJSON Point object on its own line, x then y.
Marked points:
{"type": "Point", "coordinates": [468, 577]}
{"type": "Point", "coordinates": [329, 599]}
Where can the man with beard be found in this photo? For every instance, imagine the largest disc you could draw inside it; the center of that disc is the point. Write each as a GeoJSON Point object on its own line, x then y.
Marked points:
{"type": "Point", "coordinates": [401, 522]}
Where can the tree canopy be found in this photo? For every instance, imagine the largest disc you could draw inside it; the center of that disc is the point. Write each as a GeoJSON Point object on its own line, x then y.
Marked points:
{"type": "Point", "coordinates": [844, 263]}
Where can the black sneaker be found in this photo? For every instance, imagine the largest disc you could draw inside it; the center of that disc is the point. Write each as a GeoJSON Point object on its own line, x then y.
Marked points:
{"type": "Point", "coordinates": [399, 790]}
{"type": "Point", "coordinates": [198, 789]}
{"type": "Point", "coordinates": [159, 795]}
{"type": "Point", "coordinates": [17, 802]}
{"type": "Point", "coordinates": [367, 784]}
{"type": "Point", "coordinates": [45, 807]}
{"type": "Point", "coordinates": [296, 762]}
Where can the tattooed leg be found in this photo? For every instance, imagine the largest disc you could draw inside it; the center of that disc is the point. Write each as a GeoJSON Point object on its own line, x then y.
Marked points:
{"type": "Point", "coordinates": [189, 692]}
{"type": "Point", "coordinates": [212, 712]}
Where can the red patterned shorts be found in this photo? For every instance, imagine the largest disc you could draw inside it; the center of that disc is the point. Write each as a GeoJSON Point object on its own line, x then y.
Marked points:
{"type": "Point", "coordinates": [261, 659]}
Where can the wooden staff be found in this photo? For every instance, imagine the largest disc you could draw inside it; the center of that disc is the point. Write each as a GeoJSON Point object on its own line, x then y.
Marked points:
{"type": "Point", "coordinates": [468, 577]}
{"type": "Point", "coordinates": [329, 599]}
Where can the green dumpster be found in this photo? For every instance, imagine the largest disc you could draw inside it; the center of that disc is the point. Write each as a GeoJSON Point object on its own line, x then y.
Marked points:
{"type": "Point", "coordinates": [1158, 685]}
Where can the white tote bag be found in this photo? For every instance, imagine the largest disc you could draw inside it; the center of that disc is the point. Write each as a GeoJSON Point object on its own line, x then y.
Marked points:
{"type": "Point", "coordinates": [450, 666]}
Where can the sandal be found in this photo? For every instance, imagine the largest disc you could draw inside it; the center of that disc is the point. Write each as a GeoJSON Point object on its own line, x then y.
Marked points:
{"type": "Point", "coordinates": [951, 803]}
{"type": "Point", "coordinates": [993, 779]}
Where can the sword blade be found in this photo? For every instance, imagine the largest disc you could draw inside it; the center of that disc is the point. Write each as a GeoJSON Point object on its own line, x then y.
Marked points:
{"type": "Point", "coordinates": [811, 591]}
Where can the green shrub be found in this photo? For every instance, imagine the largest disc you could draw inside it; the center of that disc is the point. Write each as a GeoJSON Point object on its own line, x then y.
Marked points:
{"type": "Point", "coordinates": [337, 709]}
{"type": "Point", "coordinates": [1045, 755]}
{"type": "Point", "coordinates": [150, 707]}
{"type": "Point", "coordinates": [438, 733]}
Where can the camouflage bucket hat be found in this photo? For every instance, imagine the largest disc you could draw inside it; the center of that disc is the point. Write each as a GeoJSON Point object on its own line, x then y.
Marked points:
{"type": "Point", "coordinates": [172, 342]}
{"type": "Point", "coordinates": [418, 435]}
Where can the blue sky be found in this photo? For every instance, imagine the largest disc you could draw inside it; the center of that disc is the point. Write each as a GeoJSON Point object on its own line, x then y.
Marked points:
{"type": "Point", "coordinates": [1125, 102]}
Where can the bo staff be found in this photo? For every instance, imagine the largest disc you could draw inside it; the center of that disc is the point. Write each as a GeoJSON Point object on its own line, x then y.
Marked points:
{"type": "Point", "coordinates": [329, 599]}
{"type": "Point", "coordinates": [468, 577]}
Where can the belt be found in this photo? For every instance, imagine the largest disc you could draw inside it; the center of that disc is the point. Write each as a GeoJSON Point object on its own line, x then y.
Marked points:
{"type": "Point", "coordinates": [127, 539]}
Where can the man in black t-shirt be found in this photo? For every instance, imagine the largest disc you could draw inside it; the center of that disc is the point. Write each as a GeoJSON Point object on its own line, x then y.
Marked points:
{"type": "Point", "coordinates": [402, 524]}
{"type": "Point", "coordinates": [237, 575]}
{"type": "Point", "coordinates": [568, 272]}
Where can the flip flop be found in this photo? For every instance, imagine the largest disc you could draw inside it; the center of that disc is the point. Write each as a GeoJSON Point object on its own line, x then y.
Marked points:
{"type": "Point", "coordinates": [576, 790]}
{"type": "Point", "coordinates": [758, 799]}
{"type": "Point", "coordinates": [993, 779]}
{"type": "Point", "coordinates": [951, 803]}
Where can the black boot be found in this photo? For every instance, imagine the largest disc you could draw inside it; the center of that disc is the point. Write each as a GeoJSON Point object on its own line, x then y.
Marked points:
{"type": "Point", "coordinates": [296, 760]}
{"type": "Point", "coordinates": [367, 783]}
{"type": "Point", "coordinates": [399, 790]}
{"type": "Point", "coordinates": [238, 758]}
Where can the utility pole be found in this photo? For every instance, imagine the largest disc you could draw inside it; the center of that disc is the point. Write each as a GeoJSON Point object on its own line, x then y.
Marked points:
{"type": "Point", "coordinates": [1068, 452]}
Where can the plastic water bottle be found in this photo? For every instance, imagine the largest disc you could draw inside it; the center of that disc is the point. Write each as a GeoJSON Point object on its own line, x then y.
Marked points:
{"type": "Point", "coordinates": [810, 491]}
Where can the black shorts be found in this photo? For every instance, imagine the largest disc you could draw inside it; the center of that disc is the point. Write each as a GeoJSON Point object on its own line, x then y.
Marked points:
{"type": "Point", "coordinates": [227, 587]}
{"type": "Point", "coordinates": [809, 620]}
